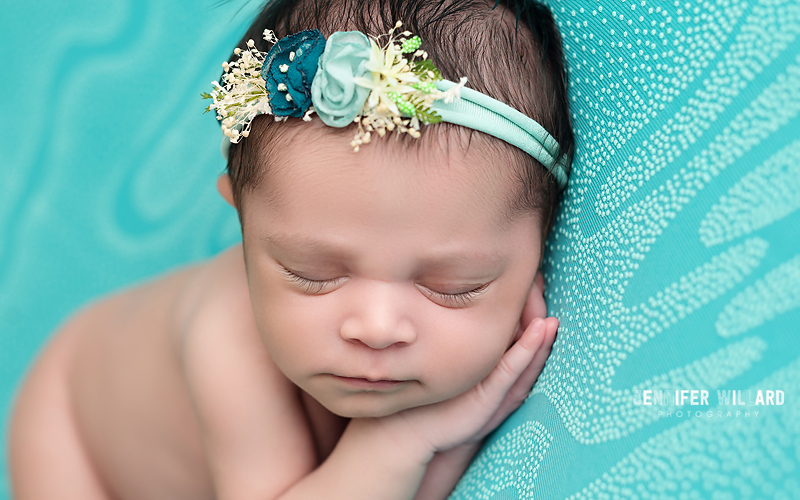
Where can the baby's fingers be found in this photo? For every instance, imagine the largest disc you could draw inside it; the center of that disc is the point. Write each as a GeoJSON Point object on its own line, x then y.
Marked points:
{"type": "Point", "coordinates": [521, 388]}
{"type": "Point", "coordinates": [472, 415]}
{"type": "Point", "coordinates": [492, 390]}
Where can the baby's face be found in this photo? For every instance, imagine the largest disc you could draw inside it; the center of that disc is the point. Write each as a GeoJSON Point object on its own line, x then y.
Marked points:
{"type": "Point", "coordinates": [388, 278]}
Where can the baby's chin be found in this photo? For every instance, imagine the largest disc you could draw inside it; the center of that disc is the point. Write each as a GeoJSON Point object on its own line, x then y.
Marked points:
{"type": "Point", "coordinates": [372, 405]}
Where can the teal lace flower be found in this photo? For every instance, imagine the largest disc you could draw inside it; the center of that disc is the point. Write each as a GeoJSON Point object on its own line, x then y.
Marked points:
{"type": "Point", "coordinates": [288, 72]}
{"type": "Point", "coordinates": [337, 98]}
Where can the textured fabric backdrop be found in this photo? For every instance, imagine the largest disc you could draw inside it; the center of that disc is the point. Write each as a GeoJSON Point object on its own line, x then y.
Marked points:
{"type": "Point", "coordinates": [675, 263]}
{"type": "Point", "coordinates": [108, 163]}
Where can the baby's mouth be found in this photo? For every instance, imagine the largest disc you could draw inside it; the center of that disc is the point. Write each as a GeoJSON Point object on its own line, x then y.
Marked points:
{"type": "Point", "coordinates": [370, 384]}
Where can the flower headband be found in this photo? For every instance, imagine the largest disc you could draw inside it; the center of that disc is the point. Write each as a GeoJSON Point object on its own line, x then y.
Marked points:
{"type": "Point", "coordinates": [382, 86]}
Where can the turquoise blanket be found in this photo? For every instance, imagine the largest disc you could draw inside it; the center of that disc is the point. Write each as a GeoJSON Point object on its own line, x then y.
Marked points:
{"type": "Point", "coordinates": [674, 265]}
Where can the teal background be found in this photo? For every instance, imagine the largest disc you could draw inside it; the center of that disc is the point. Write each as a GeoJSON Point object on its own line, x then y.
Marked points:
{"type": "Point", "coordinates": [108, 163]}
{"type": "Point", "coordinates": [675, 262]}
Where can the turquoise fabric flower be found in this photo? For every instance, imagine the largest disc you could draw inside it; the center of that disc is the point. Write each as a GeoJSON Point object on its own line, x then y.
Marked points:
{"type": "Point", "coordinates": [336, 97]}
{"type": "Point", "coordinates": [288, 72]}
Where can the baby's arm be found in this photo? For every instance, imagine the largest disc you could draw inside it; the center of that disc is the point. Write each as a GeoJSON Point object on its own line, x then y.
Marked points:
{"type": "Point", "coordinates": [255, 434]}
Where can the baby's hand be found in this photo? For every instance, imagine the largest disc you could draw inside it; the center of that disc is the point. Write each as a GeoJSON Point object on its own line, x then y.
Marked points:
{"type": "Point", "coordinates": [468, 418]}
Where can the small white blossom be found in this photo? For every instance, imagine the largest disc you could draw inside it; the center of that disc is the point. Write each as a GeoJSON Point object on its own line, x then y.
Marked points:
{"type": "Point", "coordinates": [269, 36]}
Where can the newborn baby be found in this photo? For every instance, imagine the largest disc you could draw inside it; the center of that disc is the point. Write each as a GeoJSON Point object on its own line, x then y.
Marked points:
{"type": "Point", "coordinates": [383, 314]}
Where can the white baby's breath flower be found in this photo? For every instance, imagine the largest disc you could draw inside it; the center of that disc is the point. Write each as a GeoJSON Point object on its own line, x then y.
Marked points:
{"type": "Point", "coordinates": [270, 37]}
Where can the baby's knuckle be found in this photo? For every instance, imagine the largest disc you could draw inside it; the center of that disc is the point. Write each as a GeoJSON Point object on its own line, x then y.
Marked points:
{"type": "Point", "coordinates": [506, 369]}
{"type": "Point", "coordinates": [482, 396]}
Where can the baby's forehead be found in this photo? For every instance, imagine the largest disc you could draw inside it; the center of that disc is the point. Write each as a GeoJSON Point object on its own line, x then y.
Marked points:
{"type": "Point", "coordinates": [447, 161]}
{"type": "Point", "coordinates": [388, 215]}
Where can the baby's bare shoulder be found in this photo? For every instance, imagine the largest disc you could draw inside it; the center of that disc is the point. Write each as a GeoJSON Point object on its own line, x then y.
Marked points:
{"type": "Point", "coordinates": [183, 350]}
{"type": "Point", "coordinates": [250, 414]}
{"type": "Point", "coordinates": [216, 292]}
{"type": "Point", "coordinates": [214, 321]}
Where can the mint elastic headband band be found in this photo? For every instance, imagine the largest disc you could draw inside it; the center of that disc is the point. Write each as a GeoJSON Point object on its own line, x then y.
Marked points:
{"type": "Point", "coordinates": [350, 78]}
{"type": "Point", "coordinates": [480, 112]}
{"type": "Point", "coordinates": [485, 114]}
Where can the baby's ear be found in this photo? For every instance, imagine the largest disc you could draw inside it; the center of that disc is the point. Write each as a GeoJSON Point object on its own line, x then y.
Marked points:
{"type": "Point", "coordinates": [534, 306]}
{"type": "Point", "coordinates": [225, 188]}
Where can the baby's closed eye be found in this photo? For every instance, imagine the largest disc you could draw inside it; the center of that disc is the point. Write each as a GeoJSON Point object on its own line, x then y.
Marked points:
{"type": "Point", "coordinates": [312, 286]}
{"type": "Point", "coordinates": [455, 299]}
{"type": "Point", "coordinates": [447, 296]}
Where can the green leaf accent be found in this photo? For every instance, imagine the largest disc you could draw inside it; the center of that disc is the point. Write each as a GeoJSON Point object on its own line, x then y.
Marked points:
{"type": "Point", "coordinates": [426, 115]}
{"type": "Point", "coordinates": [421, 69]}
{"type": "Point", "coordinates": [205, 95]}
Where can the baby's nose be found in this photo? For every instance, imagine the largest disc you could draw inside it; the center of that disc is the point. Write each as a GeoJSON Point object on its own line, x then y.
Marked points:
{"type": "Point", "coordinates": [378, 320]}
{"type": "Point", "coordinates": [378, 336]}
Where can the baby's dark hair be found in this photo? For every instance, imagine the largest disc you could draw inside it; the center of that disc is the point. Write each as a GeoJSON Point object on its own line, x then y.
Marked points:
{"type": "Point", "coordinates": [510, 50]}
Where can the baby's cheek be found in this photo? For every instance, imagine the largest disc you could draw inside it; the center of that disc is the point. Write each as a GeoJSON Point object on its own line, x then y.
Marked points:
{"type": "Point", "coordinates": [474, 352]}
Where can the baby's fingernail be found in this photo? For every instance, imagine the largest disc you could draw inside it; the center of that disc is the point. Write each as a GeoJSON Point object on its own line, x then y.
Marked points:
{"type": "Point", "coordinates": [537, 327]}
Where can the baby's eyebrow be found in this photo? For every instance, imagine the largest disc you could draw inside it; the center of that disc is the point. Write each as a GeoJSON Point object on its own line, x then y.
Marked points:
{"type": "Point", "coordinates": [432, 259]}
{"type": "Point", "coordinates": [291, 242]}
{"type": "Point", "coordinates": [461, 260]}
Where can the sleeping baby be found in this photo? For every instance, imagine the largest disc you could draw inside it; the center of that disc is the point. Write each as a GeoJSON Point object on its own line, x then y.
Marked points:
{"type": "Point", "coordinates": [384, 311]}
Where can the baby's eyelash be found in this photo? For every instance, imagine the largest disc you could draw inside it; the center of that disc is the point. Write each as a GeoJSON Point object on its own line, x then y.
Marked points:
{"type": "Point", "coordinates": [310, 286]}
{"type": "Point", "coordinates": [460, 299]}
